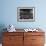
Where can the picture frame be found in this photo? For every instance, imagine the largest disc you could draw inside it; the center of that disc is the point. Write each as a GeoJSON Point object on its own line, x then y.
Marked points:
{"type": "Point", "coordinates": [26, 14]}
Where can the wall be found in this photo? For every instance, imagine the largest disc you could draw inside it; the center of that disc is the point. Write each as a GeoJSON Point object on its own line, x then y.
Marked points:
{"type": "Point", "coordinates": [9, 13]}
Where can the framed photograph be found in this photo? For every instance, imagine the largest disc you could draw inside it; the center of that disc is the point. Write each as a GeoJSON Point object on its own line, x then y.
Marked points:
{"type": "Point", "coordinates": [26, 14]}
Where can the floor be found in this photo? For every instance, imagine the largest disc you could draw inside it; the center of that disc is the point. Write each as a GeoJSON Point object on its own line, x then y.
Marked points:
{"type": "Point", "coordinates": [0, 44]}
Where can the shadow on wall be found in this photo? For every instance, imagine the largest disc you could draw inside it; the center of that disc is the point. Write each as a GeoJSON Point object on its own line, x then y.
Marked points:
{"type": "Point", "coordinates": [2, 26]}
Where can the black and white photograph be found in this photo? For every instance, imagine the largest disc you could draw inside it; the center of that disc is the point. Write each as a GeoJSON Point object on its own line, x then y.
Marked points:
{"type": "Point", "coordinates": [25, 14]}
